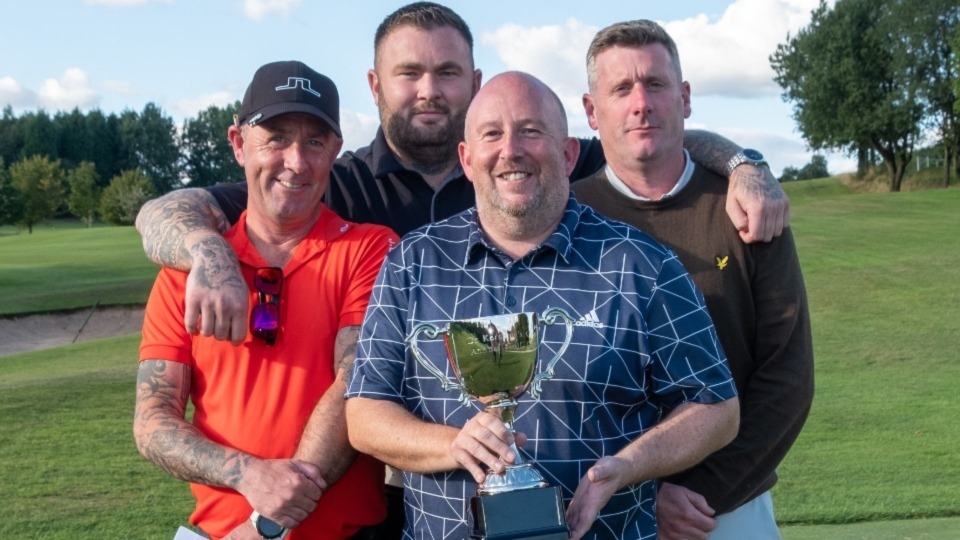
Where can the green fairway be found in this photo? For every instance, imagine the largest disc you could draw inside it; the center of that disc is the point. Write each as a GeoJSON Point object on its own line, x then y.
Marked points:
{"type": "Point", "coordinates": [64, 266]}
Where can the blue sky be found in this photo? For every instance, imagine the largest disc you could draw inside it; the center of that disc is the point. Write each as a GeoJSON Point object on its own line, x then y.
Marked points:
{"type": "Point", "coordinates": [184, 55]}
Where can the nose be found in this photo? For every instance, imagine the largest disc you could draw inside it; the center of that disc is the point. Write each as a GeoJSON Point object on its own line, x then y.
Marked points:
{"type": "Point", "coordinates": [428, 87]}
{"type": "Point", "coordinates": [294, 159]}
{"type": "Point", "coordinates": [639, 99]}
{"type": "Point", "coordinates": [511, 146]}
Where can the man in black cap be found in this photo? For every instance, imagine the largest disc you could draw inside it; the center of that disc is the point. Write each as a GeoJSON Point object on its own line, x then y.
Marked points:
{"type": "Point", "coordinates": [268, 435]}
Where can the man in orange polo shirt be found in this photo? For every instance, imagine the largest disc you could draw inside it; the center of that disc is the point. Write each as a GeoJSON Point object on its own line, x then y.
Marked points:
{"type": "Point", "coordinates": [267, 450]}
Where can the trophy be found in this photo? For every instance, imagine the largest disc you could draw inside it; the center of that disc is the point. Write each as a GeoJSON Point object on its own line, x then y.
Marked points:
{"type": "Point", "coordinates": [494, 359]}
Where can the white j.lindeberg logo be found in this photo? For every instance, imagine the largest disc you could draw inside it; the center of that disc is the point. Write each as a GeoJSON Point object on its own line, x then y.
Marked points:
{"type": "Point", "coordinates": [299, 82]}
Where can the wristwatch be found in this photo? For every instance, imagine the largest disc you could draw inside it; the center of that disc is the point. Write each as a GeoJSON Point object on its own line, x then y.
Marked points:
{"type": "Point", "coordinates": [747, 155]}
{"type": "Point", "coordinates": [267, 528]}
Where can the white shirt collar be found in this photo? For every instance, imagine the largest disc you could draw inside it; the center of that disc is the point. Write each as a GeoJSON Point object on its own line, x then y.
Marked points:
{"type": "Point", "coordinates": [684, 179]}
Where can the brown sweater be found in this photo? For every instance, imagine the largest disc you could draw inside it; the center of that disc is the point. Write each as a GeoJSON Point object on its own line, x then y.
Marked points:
{"type": "Point", "coordinates": [756, 296]}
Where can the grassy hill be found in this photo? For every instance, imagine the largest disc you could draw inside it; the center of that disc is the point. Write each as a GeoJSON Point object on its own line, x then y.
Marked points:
{"type": "Point", "coordinates": [883, 276]}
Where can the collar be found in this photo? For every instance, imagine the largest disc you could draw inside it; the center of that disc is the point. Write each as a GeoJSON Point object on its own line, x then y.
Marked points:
{"type": "Point", "coordinates": [682, 182]}
{"type": "Point", "coordinates": [328, 228]}
{"type": "Point", "coordinates": [560, 241]}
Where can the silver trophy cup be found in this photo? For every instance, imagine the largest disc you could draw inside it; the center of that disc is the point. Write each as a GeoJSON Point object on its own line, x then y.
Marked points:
{"type": "Point", "coordinates": [493, 360]}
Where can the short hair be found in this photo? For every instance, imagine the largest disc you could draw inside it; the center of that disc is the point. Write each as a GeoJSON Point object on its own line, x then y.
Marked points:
{"type": "Point", "coordinates": [630, 34]}
{"type": "Point", "coordinates": [423, 16]}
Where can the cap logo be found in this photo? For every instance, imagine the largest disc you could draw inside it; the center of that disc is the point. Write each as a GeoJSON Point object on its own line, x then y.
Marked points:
{"type": "Point", "coordinates": [299, 82]}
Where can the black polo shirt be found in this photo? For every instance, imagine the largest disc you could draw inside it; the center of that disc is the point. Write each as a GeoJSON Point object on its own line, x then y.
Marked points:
{"type": "Point", "coordinates": [371, 186]}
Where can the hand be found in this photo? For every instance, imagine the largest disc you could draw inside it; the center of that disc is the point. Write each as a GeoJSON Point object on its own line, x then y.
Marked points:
{"type": "Point", "coordinates": [595, 489]}
{"type": "Point", "coordinates": [756, 204]}
{"type": "Point", "coordinates": [216, 295]}
{"type": "Point", "coordinates": [683, 514]}
{"type": "Point", "coordinates": [485, 443]}
{"type": "Point", "coordinates": [284, 490]}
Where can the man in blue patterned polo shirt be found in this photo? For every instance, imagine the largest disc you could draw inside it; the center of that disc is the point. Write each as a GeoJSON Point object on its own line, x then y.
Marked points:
{"type": "Point", "coordinates": [643, 390]}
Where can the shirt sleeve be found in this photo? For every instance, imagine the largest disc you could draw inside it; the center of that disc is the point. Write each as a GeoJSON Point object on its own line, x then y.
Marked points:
{"type": "Point", "coordinates": [164, 336]}
{"type": "Point", "coordinates": [379, 368]}
{"type": "Point", "coordinates": [367, 255]}
{"type": "Point", "coordinates": [777, 398]}
{"type": "Point", "coordinates": [232, 198]}
{"type": "Point", "coordinates": [688, 361]}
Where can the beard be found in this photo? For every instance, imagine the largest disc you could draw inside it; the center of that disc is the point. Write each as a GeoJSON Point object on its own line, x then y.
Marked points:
{"type": "Point", "coordinates": [431, 146]}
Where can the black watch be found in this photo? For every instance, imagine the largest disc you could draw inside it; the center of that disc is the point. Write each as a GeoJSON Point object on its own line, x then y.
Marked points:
{"type": "Point", "coordinates": [747, 155]}
{"type": "Point", "coordinates": [266, 527]}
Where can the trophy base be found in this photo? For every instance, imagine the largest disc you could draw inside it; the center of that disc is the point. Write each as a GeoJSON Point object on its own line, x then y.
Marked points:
{"type": "Point", "coordinates": [531, 514]}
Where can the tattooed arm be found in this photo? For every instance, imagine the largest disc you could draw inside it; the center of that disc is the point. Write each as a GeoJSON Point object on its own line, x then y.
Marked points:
{"type": "Point", "coordinates": [183, 230]}
{"type": "Point", "coordinates": [282, 489]}
{"type": "Point", "coordinates": [324, 442]}
{"type": "Point", "coordinates": [757, 206]}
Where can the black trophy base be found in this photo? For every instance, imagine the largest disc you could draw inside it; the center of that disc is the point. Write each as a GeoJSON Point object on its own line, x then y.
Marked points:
{"type": "Point", "coordinates": [531, 514]}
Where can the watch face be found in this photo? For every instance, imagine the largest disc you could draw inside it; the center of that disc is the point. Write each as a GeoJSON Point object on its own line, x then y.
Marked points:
{"type": "Point", "coordinates": [752, 154]}
{"type": "Point", "coordinates": [268, 528]}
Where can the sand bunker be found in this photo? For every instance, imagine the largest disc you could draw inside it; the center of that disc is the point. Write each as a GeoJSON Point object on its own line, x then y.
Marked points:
{"type": "Point", "coordinates": [31, 332]}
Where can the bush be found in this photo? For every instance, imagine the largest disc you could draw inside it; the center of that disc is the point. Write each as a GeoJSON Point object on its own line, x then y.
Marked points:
{"type": "Point", "coordinates": [122, 199]}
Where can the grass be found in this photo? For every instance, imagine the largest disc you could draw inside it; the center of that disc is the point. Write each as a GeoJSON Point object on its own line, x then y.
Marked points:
{"type": "Point", "coordinates": [64, 266]}
{"type": "Point", "coordinates": [877, 458]}
{"type": "Point", "coordinates": [68, 463]}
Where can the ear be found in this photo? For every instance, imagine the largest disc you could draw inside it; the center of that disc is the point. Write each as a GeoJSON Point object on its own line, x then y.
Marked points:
{"type": "Point", "coordinates": [571, 151]}
{"type": "Point", "coordinates": [477, 80]}
{"type": "Point", "coordinates": [374, 82]}
{"type": "Point", "coordinates": [591, 109]}
{"type": "Point", "coordinates": [465, 158]}
{"type": "Point", "coordinates": [685, 92]}
{"type": "Point", "coordinates": [235, 136]}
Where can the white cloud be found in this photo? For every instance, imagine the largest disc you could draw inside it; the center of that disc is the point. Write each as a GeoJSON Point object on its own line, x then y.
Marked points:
{"type": "Point", "coordinates": [189, 108]}
{"type": "Point", "coordinates": [122, 88]}
{"type": "Point", "coordinates": [71, 90]}
{"type": "Point", "coordinates": [11, 93]}
{"type": "Point", "coordinates": [730, 56]}
{"type": "Point", "coordinates": [358, 128]}
{"type": "Point", "coordinates": [258, 9]}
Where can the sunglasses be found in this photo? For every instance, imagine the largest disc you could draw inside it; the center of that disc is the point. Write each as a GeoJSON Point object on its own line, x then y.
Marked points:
{"type": "Point", "coordinates": [265, 320]}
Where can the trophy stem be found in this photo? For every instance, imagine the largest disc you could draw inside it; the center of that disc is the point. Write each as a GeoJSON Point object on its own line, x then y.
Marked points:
{"type": "Point", "coordinates": [519, 475]}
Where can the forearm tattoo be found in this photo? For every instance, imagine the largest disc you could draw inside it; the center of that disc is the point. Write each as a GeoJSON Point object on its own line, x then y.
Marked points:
{"type": "Point", "coordinates": [216, 264]}
{"type": "Point", "coordinates": [165, 223]}
{"type": "Point", "coordinates": [166, 439]}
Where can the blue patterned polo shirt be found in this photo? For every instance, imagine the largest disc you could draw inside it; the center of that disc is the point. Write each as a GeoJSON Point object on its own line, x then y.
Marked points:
{"type": "Point", "coordinates": [642, 343]}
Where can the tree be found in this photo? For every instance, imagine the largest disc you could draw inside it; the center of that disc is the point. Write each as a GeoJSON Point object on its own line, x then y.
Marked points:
{"type": "Point", "coordinates": [40, 135]}
{"type": "Point", "coordinates": [40, 183]}
{"type": "Point", "coordinates": [149, 142]}
{"type": "Point", "coordinates": [11, 202]}
{"type": "Point", "coordinates": [11, 136]}
{"type": "Point", "coordinates": [851, 85]}
{"type": "Point", "coordinates": [122, 199]}
{"type": "Point", "coordinates": [209, 157]}
{"type": "Point", "coordinates": [930, 29]}
{"type": "Point", "coordinates": [84, 200]}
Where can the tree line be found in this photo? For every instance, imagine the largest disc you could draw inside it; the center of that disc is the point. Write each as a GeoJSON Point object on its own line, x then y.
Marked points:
{"type": "Point", "coordinates": [877, 77]}
{"type": "Point", "coordinates": [92, 164]}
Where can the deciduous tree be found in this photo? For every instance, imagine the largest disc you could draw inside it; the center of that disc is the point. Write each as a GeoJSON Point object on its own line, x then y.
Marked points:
{"type": "Point", "coordinates": [84, 200]}
{"type": "Point", "coordinates": [40, 183]}
{"type": "Point", "coordinates": [122, 199]}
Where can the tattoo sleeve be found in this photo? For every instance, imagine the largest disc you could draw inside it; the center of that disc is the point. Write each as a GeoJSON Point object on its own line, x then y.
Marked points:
{"type": "Point", "coordinates": [168, 225]}
{"type": "Point", "coordinates": [345, 351]}
{"type": "Point", "coordinates": [710, 150]}
{"type": "Point", "coordinates": [164, 437]}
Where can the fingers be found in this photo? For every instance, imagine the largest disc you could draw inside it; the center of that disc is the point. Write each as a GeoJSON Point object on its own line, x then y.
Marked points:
{"type": "Point", "coordinates": [682, 513]}
{"type": "Point", "coordinates": [216, 308]}
{"type": "Point", "coordinates": [483, 444]}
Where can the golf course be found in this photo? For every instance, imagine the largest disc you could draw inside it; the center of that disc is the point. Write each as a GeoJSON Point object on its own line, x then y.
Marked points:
{"type": "Point", "coordinates": [879, 457]}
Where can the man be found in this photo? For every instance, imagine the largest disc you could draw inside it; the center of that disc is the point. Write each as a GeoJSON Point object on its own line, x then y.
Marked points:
{"type": "Point", "coordinates": [422, 81]}
{"type": "Point", "coordinates": [755, 293]}
{"type": "Point", "coordinates": [309, 274]}
{"type": "Point", "coordinates": [647, 352]}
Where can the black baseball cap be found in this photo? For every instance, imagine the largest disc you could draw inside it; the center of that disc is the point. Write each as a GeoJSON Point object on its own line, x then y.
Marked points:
{"type": "Point", "coordinates": [290, 87]}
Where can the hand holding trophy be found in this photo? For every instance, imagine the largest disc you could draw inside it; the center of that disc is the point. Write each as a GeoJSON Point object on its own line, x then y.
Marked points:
{"type": "Point", "coordinates": [493, 360]}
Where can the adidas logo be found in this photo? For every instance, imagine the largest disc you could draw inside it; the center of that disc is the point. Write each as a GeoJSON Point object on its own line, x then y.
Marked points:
{"type": "Point", "coordinates": [590, 319]}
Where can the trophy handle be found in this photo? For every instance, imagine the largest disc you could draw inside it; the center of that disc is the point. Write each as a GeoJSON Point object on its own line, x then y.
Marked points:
{"type": "Point", "coordinates": [432, 331]}
{"type": "Point", "coordinates": [550, 317]}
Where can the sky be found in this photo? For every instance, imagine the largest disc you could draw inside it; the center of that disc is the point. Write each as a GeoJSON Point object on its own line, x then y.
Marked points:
{"type": "Point", "coordinates": [185, 55]}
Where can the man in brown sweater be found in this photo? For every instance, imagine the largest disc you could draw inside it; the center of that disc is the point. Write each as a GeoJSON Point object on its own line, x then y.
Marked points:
{"type": "Point", "coordinates": [754, 292]}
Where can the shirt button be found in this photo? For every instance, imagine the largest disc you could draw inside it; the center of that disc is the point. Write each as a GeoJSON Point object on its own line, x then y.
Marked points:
{"type": "Point", "coordinates": [511, 301]}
